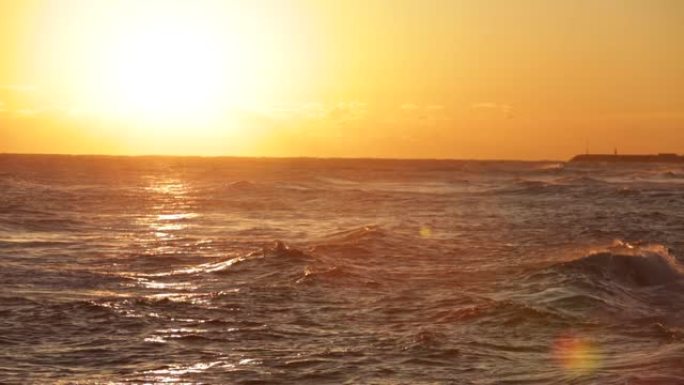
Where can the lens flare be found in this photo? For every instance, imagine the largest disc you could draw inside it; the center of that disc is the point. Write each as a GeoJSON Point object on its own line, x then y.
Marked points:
{"type": "Point", "coordinates": [576, 354]}
{"type": "Point", "coordinates": [425, 232]}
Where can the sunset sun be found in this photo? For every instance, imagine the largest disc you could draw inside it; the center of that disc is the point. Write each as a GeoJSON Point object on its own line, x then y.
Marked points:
{"type": "Point", "coordinates": [165, 71]}
{"type": "Point", "coordinates": [169, 68]}
{"type": "Point", "coordinates": [145, 67]}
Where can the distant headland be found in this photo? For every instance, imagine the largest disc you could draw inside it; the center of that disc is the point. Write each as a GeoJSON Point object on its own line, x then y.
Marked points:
{"type": "Point", "coordinates": [615, 158]}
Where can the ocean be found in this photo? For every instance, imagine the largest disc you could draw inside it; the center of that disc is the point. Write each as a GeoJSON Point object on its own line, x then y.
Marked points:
{"type": "Point", "coordinates": [150, 270]}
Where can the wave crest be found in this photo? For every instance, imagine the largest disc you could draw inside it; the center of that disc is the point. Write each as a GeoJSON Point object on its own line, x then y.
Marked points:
{"type": "Point", "coordinates": [639, 265]}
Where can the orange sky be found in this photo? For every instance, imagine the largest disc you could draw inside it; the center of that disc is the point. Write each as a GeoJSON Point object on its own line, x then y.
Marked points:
{"type": "Point", "coordinates": [527, 79]}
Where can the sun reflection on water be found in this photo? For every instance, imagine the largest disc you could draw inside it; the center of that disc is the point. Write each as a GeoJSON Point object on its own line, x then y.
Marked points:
{"type": "Point", "coordinates": [171, 187]}
{"type": "Point", "coordinates": [180, 374]}
{"type": "Point", "coordinates": [176, 217]}
{"type": "Point", "coordinates": [174, 373]}
{"type": "Point", "coordinates": [171, 210]}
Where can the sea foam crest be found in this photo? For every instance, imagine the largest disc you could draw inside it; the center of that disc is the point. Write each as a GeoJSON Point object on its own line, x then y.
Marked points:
{"type": "Point", "coordinates": [635, 264]}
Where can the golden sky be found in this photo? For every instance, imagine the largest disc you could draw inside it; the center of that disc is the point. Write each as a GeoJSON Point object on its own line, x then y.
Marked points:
{"type": "Point", "coordinates": [499, 79]}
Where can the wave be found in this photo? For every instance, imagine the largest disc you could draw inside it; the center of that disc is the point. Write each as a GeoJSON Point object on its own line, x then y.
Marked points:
{"type": "Point", "coordinates": [278, 252]}
{"type": "Point", "coordinates": [327, 263]}
{"type": "Point", "coordinates": [672, 174]}
{"type": "Point", "coordinates": [647, 265]}
{"type": "Point", "coordinates": [242, 185]}
{"type": "Point", "coordinates": [581, 180]}
{"type": "Point", "coordinates": [335, 275]}
{"type": "Point", "coordinates": [525, 186]}
{"type": "Point", "coordinates": [551, 167]}
{"type": "Point", "coordinates": [355, 234]}
{"type": "Point", "coordinates": [504, 312]}
{"type": "Point", "coordinates": [532, 186]}
{"type": "Point", "coordinates": [634, 285]}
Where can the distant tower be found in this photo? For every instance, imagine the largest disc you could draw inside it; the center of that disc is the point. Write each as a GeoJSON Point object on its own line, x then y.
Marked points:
{"type": "Point", "coordinates": [615, 152]}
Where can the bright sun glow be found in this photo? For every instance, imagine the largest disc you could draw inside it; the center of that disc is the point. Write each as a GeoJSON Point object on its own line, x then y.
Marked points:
{"type": "Point", "coordinates": [163, 76]}
{"type": "Point", "coordinates": [168, 69]}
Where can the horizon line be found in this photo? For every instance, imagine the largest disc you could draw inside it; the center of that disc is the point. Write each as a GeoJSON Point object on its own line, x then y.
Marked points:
{"type": "Point", "coordinates": [275, 157]}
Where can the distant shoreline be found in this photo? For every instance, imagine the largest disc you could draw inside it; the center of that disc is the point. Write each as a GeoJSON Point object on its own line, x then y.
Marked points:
{"type": "Point", "coordinates": [615, 158]}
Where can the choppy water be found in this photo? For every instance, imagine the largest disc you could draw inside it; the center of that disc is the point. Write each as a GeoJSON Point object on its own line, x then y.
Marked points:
{"type": "Point", "coordinates": [258, 271]}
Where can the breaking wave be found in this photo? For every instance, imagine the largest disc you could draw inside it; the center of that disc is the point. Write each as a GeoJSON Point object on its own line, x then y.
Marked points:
{"type": "Point", "coordinates": [632, 265]}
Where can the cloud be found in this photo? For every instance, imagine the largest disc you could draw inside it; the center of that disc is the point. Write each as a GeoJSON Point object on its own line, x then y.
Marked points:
{"type": "Point", "coordinates": [20, 88]}
{"type": "Point", "coordinates": [505, 109]}
{"type": "Point", "coordinates": [409, 107]}
{"type": "Point", "coordinates": [342, 111]}
{"type": "Point", "coordinates": [348, 111]}
{"type": "Point", "coordinates": [292, 111]}
{"type": "Point", "coordinates": [425, 113]}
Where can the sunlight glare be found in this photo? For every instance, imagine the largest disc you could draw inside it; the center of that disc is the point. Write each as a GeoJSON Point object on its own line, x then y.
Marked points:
{"type": "Point", "coordinates": [169, 69]}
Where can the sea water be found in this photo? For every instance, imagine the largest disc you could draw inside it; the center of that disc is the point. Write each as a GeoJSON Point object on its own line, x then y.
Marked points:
{"type": "Point", "coordinates": [126, 270]}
